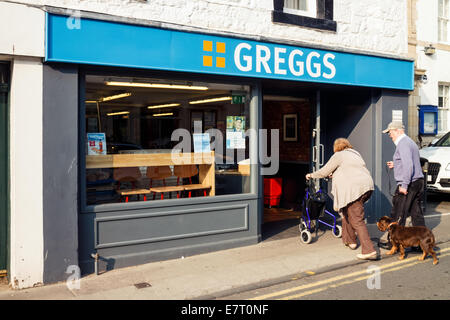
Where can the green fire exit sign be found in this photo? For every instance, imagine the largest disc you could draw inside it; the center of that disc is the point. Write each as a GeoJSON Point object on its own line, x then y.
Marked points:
{"type": "Point", "coordinates": [237, 99]}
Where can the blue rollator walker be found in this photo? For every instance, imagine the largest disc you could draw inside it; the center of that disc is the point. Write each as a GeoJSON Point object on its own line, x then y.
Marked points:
{"type": "Point", "coordinates": [313, 208]}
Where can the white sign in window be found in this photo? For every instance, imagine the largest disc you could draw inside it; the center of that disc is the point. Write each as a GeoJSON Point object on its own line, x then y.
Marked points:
{"type": "Point", "coordinates": [429, 122]}
{"type": "Point", "coordinates": [397, 115]}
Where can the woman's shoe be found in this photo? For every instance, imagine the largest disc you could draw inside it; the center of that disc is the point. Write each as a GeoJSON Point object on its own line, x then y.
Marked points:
{"type": "Point", "coordinates": [352, 246]}
{"type": "Point", "coordinates": [368, 256]}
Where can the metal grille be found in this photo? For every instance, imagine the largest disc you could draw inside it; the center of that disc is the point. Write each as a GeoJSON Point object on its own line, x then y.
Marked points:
{"type": "Point", "coordinates": [445, 183]}
{"type": "Point", "coordinates": [433, 170]}
{"type": "Point", "coordinates": [142, 285]}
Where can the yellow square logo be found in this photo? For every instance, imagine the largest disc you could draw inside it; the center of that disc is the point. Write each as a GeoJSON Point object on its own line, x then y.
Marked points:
{"type": "Point", "coordinates": [220, 47]}
{"type": "Point", "coordinates": [220, 62]}
{"type": "Point", "coordinates": [207, 45]}
{"type": "Point", "coordinates": [207, 61]}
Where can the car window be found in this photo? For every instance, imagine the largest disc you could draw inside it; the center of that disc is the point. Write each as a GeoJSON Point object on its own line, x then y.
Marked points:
{"type": "Point", "coordinates": [444, 141]}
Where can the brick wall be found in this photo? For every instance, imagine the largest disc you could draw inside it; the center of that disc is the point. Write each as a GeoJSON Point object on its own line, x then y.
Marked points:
{"type": "Point", "coordinates": [273, 111]}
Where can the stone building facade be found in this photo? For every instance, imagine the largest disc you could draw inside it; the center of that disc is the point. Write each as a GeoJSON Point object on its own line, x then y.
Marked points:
{"type": "Point", "coordinates": [45, 161]}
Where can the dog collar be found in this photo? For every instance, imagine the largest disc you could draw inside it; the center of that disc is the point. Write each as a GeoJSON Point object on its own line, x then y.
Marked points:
{"type": "Point", "coordinates": [390, 224]}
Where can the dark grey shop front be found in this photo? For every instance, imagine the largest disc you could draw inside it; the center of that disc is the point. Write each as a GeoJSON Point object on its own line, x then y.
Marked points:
{"type": "Point", "coordinates": [76, 226]}
{"type": "Point", "coordinates": [134, 232]}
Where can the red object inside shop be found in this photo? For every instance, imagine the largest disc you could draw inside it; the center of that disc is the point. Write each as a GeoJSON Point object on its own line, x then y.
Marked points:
{"type": "Point", "coordinates": [272, 191]}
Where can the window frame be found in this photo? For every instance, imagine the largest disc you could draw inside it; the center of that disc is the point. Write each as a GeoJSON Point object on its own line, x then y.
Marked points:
{"type": "Point", "coordinates": [444, 108]}
{"type": "Point", "coordinates": [254, 111]}
{"type": "Point", "coordinates": [445, 19]}
{"type": "Point", "coordinates": [322, 21]}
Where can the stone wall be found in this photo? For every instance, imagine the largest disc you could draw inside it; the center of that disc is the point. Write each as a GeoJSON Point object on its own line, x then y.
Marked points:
{"type": "Point", "coordinates": [377, 26]}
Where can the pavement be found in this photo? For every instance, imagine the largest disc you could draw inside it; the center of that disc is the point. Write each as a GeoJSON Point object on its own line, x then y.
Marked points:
{"type": "Point", "coordinates": [222, 273]}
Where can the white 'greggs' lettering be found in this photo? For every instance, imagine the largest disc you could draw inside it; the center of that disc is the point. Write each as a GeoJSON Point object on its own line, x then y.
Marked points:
{"type": "Point", "coordinates": [248, 59]}
{"type": "Point", "coordinates": [315, 64]}
{"type": "Point", "coordinates": [329, 65]}
{"type": "Point", "coordinates": [262, 59]}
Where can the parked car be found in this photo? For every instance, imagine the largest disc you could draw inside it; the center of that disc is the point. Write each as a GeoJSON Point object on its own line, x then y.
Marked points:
{"type": "Point", "coordinates": [438, 156]}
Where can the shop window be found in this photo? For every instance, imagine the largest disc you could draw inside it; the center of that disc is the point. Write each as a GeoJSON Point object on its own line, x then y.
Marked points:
{"type": "Point", "coordinates": [158, 139]}
{"type": "Point", "coordinates": [443, 108]}
{"type": "Point", "coordinates": [316, 14]}
{"type": "Point", "coordinates": [443, 20]}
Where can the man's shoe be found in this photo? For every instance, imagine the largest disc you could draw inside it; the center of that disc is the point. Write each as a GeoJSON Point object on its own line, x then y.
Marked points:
{"type": "Point", "coordinates": [385, 245]}
{"type": "Point", "coordinates": [352, 246]}
{"type": "Point", "coordinates": [368, 256]}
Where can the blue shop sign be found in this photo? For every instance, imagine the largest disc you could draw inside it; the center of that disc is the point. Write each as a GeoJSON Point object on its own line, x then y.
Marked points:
{"type": "Point", "coordinates": [107, 43]}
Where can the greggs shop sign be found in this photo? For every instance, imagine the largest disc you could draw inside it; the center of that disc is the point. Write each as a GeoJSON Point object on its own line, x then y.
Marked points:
{"type": "Point", "coordinates": [95, 42]}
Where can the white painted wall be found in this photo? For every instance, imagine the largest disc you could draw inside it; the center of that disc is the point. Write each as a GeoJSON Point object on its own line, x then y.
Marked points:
{"type": "Point", "coordinates": [437, 66]}
{"type": "Point", "coordinates": [370, 25]}
{"type": "Point", "coordinates": [427, 24]}
{"type": "Point", "coordinates": [437, 69]}
{"type": "Point", "coordinates": [27, 258]}
{"type": "Point", "coordinates": [22, 40]}
{"type": "Point", "coordinates": [21, 30]}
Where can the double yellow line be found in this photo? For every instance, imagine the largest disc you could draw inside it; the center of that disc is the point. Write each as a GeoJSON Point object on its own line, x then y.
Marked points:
{"type": "Point", "coordinates": [328, 283]}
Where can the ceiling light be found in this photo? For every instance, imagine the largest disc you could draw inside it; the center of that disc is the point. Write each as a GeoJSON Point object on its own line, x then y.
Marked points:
{"type": "Point", "coordinates": [117, 96]}
{"type": "Point", "coordinates": [210, 100]}
{"type": "Point", "coordinates": [164, 106]}
{"type": "Point", "coordinates": [91, 101]}
{"type": "Point", "coordinates": [118, 113]}
{"type": "Point", "coordinates": [154, 85]}
{"type": "Point", "coordinates": [163, 114]}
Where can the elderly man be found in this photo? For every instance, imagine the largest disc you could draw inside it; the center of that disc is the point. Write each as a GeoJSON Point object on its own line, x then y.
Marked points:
{"type": "Point", "coordinates": [408, 174]}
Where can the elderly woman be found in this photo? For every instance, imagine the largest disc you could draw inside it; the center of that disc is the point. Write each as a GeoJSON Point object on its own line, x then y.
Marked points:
{"type": "Point", "coordinates": [352, 186]}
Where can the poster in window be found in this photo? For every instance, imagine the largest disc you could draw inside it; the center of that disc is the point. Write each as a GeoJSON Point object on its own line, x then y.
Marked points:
{"type": "Point", "coordinates": [96, 143]}
{"type": "Point", "coordinates": [235, 132]}
{"type": "Point", "coordinates": [201, 142]}
{"type": "Point", "coordinates": [429, 122]}
{"type": "Point", "coordinates": [290, 125]}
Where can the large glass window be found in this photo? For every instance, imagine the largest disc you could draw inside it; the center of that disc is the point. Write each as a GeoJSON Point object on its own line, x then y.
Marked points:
{"type": "Point", "coordinates": [152, 139]}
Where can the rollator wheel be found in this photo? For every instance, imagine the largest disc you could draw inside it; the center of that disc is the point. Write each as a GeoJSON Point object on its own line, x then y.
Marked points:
{"type": "Point", "coordinates": [306, 236]}
{"type": "Point", "coordinates": [338, 232]}
{"type": "Point", "coordinates": [304, 226]}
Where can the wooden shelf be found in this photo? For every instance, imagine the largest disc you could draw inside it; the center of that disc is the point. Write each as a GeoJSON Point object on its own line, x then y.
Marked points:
{"type": "Point", "coordinates": [147, 160]}
{"type": "Point", "coordinates": [205, 162]}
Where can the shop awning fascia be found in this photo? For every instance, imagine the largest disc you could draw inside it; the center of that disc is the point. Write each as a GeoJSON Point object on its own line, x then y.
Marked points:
{"type": "Point", "coordinates": [106, 43]}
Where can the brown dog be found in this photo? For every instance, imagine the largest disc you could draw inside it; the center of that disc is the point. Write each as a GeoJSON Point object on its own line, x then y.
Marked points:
{"type": "Point", "coordinates": [404, 237]}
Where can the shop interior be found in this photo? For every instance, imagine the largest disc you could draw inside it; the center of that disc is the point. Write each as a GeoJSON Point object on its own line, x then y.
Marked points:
{"type": "Point", "coordinates": [290, 108]}
{"type": "Point", "coordinates": [132, 126]}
